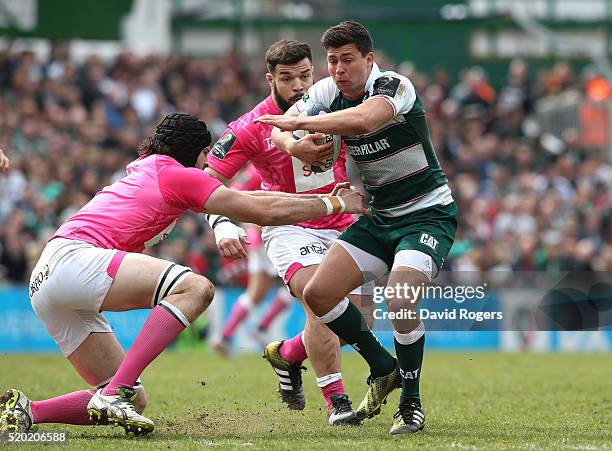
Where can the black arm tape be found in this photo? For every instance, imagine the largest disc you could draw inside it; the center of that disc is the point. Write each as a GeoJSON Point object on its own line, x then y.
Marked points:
{"type": "Point", "coordinates": [220, 220]}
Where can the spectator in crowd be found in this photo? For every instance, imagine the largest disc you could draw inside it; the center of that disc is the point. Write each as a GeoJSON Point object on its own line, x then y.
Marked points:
{"type": "Point", "coordinates": [70, 128]}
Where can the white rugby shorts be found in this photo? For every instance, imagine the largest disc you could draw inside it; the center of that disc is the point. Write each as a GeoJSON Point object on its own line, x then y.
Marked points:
{"type": "Point", "coordinates": [67, 288]}
{"type": "Point", "coordinates": [69, 284]}
{"type": "Point", "coordinates": [291, 248]}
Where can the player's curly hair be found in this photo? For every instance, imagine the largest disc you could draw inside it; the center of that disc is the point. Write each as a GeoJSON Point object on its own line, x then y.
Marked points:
{"type": "Point", "coordinates": [180, 136]}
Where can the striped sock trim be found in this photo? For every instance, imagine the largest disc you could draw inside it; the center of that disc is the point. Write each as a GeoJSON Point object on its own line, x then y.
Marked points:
{"type": "Point", "coordinates": [324, 381]}
{"type": "Point", "coordinates": [175, 311]}
{"type": "Point", "coordinates": [410, 337]}
{"type": "Point", "coordinates": [336, 312]}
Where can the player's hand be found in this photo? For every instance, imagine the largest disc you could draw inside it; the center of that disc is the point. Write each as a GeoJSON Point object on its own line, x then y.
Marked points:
{"type": "Point", "coordinates": [307, 150]}
{"type": "Point", "coordinates": [233, 248]}
{"type": "Point", "coordinates": [354, 201]}
{"type": "Point", "coordinates": [338, 187]}
{"type": "Point", "coordinates": [282, 122]}
{"type": "Point", "coordinates": [231, 240]}
{"type": "Point", "coordinates": [4, 162]}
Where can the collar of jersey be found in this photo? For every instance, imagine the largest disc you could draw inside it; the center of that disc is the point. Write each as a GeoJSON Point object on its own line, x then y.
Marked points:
{"type": "Point", "coordinates": [374, 74]}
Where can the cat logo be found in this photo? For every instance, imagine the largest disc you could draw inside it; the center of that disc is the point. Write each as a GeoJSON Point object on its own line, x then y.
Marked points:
{"type": "Point", "coordinates": [409, 374]}
{"type": "Point", "coordinates": [428, 240]}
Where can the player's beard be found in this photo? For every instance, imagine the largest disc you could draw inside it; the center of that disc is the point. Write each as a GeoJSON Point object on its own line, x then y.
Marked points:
{"type": "Point", "coordinates": [283, 104]}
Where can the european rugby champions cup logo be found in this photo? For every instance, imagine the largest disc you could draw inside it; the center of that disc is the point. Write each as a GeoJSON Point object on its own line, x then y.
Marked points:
{"type": "Point", "coordinates": [386, 85]}
{"type": "Point", "coordinates": [223, 146]}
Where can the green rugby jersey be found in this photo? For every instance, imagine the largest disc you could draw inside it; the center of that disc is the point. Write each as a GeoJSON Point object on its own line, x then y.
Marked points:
{"type": "Point", "coordinates": [397, 162]}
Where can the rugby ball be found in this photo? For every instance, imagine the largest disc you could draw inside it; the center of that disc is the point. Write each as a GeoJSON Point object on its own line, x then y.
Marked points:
{"type": "Point", "coordinates": [315, 109]}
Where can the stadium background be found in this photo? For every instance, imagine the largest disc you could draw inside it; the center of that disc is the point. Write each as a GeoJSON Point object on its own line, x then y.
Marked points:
{"type": "Point", "coordinates": [517, 93]}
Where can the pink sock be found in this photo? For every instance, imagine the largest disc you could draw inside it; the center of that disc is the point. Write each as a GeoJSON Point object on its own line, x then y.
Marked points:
{"type": "Point", "coordinates": [293, 350]}
{"type": "Point", "coordinates": [240, 311]}
{"type": "Point", "coordinates": [279, 304]}
{"type": "Point", "coordinates": [161, 328]}
{"type": "Point", "coordinates": [335, 388]}
{"type": "Point", "coordinates": [70, 408]}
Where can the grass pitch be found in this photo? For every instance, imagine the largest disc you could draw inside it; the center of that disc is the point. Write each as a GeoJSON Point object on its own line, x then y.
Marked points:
{"type": "Point", "coordinates": [472, 400]}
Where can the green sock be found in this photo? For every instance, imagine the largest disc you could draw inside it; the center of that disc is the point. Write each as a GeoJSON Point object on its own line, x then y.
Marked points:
{"type": "Point", "coordinates": [352, 328]}
{"type": "Point", "coordinates": [410, 359]}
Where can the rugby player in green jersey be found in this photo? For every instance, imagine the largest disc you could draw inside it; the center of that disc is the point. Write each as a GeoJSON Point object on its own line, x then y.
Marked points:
{"type": "Point", "coordinates": [414, 218]}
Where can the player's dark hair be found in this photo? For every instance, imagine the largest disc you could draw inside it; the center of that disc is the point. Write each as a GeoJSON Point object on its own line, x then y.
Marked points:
{"type": "Point", "coordinates": [180, 136]}
{"type": "Point", "coordinates": [348, 32]}
{"type": "Point", "coordinates": [287, 52]}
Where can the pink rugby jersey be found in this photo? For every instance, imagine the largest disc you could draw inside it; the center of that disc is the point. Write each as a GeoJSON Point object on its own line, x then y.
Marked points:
{"type": "Point", "coordinates": [140, 209]}
{"type": "Point", "coordinates": [244, 141]}
{"type": "Point", "coordinates": [247, 180]}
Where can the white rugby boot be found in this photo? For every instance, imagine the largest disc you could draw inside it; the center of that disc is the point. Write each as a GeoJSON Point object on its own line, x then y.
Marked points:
{"type": "Point", "coordinates": [119, 410]}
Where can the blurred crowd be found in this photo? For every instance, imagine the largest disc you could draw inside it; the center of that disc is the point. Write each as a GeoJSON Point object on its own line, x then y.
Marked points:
{"type": "Point", "coordinates": [526, 204]}
{"type": "Point", "coordinates": [529, 201]}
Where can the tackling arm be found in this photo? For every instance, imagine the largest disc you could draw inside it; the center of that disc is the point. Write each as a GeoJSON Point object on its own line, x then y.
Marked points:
{"type": "Point", "coordinates": [279, 210]}
{"type": "Point", "coordinates": [231, 238]}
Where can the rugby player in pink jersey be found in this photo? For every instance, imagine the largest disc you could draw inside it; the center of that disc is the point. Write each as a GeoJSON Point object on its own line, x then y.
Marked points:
{"type": "Point", "coordinates": [295, 250]}
{"type": "Point", "coordinates": [93, 263]}
{"type": "Point", "coordinates": [262, 275]}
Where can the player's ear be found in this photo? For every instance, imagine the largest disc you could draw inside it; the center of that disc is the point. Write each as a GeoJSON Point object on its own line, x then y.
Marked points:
{"type": "Point", "coordinates": [370, 57]}
{"type": "Point", "coordinates": [270, 78]}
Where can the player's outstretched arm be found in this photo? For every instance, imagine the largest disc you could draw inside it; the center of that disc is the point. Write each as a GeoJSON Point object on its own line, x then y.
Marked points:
{"type": "Point", "coordinates": [278, 210]}
{"type": "Point", "coordinates": [4, 162]}
{"type": "Point", "coordinates": [358, 120]}
{"type": "Point", "coordinates": [231, 238]}
{"type": "Point", "coordinates": [285, 195]}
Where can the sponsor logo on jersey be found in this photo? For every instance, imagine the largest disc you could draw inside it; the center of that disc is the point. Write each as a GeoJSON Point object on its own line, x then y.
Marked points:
{"type": "Point", "coordinates": [386, 86]}
{"type": "Point", "coordinates": [223, 145]}
{"type": "Point", "coordinates": [38, 280]}
{"type": "Point", "coordinates": [314, 248]}
{"type": "Point", "coordinates": [428, 240]}
{"type": "Point", "coordinates": [269, 143]}
{"type": "Point", "coordinates": [369, 148]}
